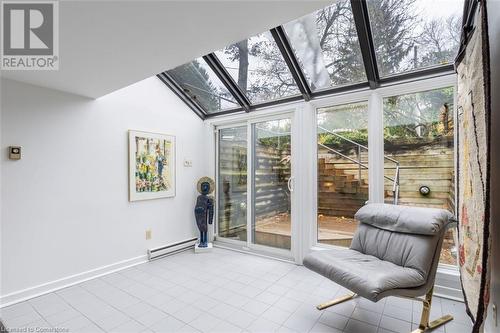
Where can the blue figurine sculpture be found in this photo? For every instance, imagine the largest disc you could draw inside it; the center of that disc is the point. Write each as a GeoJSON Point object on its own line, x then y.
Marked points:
{"type": "Point", "coordinates": [204, 210]}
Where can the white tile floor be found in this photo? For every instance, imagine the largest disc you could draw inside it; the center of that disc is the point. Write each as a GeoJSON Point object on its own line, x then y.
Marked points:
{"type": "Point", "coordinates": [222, 291]}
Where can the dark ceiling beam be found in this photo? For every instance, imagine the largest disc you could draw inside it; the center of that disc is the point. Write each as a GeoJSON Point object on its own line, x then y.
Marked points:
{"type": "Point", "coordinates": [260, 106]}
{"type": "Point", "coordinates": [421, 74]}
{"type": "Point", "coordinates": [362, 22]}
{"type": "Point", "coordinates": [181, 93]}
{"type": "Point", "coordinates": [226, 79]}
{"type": "Point", "coordinates": [341, 89]}
{"type": "Point", "coordinates": [291, 61]}
{"type": "Point", "coordinates": [225, 112]}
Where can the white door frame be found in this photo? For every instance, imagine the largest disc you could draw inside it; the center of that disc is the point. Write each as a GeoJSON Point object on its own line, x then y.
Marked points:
{"type": "Point", "coordinates": [304, 155]}
{"type": "Point", "coordinates": [249, 120]}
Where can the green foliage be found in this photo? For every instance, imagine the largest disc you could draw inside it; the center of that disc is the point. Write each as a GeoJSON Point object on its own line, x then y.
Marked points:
{"type": "Point", "coordinates": [344, 117]}
{"type": "Point", "coordinates": [358, 136]}
{"type": "Point", "coordinates": [424, 114]}
{"type": "Point", "coordinates": [280, 143]}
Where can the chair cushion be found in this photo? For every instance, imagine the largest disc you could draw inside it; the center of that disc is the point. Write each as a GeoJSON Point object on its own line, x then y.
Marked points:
{"type": "Point", "coordinates": [402, 249]}
{"type": "Point", "coordinates": [365, 275]}
{"type": "Point", "coordinates": [411, 220]}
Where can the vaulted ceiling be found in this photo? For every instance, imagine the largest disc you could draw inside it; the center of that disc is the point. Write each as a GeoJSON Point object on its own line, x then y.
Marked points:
{"type": "Point", "coordinates": [108, 45]}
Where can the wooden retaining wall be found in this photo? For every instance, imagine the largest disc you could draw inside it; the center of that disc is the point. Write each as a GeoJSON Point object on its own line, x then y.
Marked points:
{"type": "Point", "coordinates": [431, 166]}
{"type": "Point", "coordinates": [271, 193]}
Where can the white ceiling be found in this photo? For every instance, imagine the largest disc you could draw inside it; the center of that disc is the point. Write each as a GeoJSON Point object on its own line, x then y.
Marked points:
{"type": "Point", "coordinates": [108, 45]}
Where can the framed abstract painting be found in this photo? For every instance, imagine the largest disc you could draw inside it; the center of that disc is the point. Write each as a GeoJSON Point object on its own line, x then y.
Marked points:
{"type": "Point", "coordinates": [151, 165]}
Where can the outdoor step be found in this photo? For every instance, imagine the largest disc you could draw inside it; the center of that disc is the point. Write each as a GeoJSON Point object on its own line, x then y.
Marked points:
{"type": "Point", "coordinates": [343, 203]}
{"type": "Point", "coordinates": [343, 163]}
{"type": "Point", "coordinates": [338, 179]}
{"type": "Point", "coordinates": [334, 172]}
{"type": "Point", "coordinates": [338, 212]}
{"type": "Point", "coordinates": [322, 192]}
{"type": "Point", "coordinates": [352, 191]}
{"type": "Point", "coordinates": [335, 203]}
{"type": "Point", "coordinates": [347, 212]}
{"type": "Point", "coordinates": [341, 196]}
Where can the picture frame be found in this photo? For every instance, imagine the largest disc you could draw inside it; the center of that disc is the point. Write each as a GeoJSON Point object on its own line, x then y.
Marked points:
{"type": "Point", "coordinates": [151, 165]}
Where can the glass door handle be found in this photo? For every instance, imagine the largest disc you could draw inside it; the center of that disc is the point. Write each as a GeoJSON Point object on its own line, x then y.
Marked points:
{"type": "Point", "coordinates": [290, 184]}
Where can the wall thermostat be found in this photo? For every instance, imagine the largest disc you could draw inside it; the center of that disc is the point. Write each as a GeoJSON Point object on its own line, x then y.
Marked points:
{"type": "Point", "coordinates": [14, 153]}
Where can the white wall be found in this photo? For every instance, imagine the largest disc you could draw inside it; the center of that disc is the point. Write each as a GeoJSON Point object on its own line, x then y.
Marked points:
{"type": "Point", "coordinates": [65, 203]}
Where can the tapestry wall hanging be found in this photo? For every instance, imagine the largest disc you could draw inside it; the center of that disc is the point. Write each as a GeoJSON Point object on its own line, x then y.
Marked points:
{"type": "Point", "coordinates": [151, 165]}
{"type": "Point", "coordinates": [473, 108]}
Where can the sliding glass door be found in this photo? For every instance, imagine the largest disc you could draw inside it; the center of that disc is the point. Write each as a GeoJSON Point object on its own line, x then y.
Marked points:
{"type": "Point", "coordinates": [255, 185]}
{"type": "Point", "coordinates": [232, 183]}
{"type": "Point", "coordinates": [271, 185]}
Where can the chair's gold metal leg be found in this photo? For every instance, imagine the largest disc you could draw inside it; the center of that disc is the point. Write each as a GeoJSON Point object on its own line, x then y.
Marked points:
{"type": "Point", "coordinates": [440, 321]}
{"type": "Point", "coordinates": [426, 311]}
{"type": "Point", "coordinates": [335, 301]}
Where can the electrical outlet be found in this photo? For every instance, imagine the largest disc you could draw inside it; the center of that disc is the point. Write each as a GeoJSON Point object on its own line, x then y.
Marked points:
{"type": "Point", "coordinates": [188, 163]}
{"type": "Point", "coordinates": [149, 234]}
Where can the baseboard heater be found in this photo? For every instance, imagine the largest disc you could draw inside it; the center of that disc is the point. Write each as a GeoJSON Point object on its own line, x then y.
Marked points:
{"type": "Point", "coordinates": [171, 248]}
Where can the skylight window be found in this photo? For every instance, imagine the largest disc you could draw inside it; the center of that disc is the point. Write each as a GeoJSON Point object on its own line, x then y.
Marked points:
{"type": "Point", "coordinates": [326, 45]}
{"type": "Point", "coordinates": [259, 69]}
{"type": "Point", "coordinates": [203, 86]}
{"type": "Point", "coordinates": [414, 34]}
{"type": "Point", "coordinates": [346, 46]}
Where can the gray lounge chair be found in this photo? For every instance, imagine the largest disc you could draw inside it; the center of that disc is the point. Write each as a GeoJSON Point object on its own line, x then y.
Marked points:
{"type": "Point", "coordinates": [394, 252]}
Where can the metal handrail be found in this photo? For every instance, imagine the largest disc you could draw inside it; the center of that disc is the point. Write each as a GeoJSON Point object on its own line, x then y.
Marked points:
{"type": "Point", "coordinates": [395, 186]}
{"type": "Point", "coordinates": [361, 164]}
{"type": "Point", "coordinates": [344, 156]}
{"type": "Point", "coordinates": [395, 180]}
{"type": "Point", "coordinates": [343, 137]}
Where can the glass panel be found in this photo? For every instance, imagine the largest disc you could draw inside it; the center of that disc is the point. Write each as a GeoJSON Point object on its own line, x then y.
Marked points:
{"type": "Point", "coordinates": [414, 34]}
{"type": "Point", "coordinates": [326, 45]}
{"type": "Point", "coordinates": [258, 67]}
{"type": "Point", "coordinates": [201, 84]}
{"type": "Point", "coordinates": [232, 205]}
{"type": "Point", "coordinates": [271, 197]}
{"type": "Point", "coordinates": [418, 133]}
{"type": "Point", "coordinates": [342, 170]}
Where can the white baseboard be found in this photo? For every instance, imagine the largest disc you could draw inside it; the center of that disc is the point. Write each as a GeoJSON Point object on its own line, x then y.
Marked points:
{"type": "Point", "coordinates": [41, 289]}
{"type": "Point", "coordinates": [449, 293]}
{"type": "Point", "coordinates": [447, 284]}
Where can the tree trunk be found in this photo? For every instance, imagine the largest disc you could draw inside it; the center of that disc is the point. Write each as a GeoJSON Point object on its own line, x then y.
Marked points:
{"type": "Point", "coordinates": [243, 69]}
